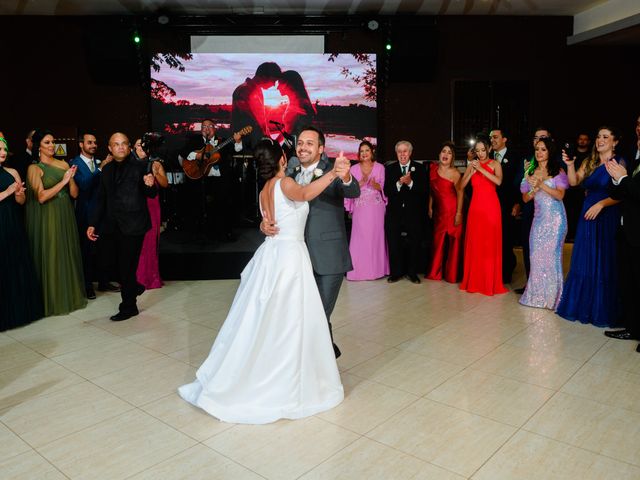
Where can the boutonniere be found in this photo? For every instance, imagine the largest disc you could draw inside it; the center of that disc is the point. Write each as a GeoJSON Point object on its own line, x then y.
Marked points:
{"type": "Point", "coordinates": [297, 169]}
{"type": "Point", "coordinates": [505, 160]}
{"type": "Point", "coordinates": [413, 169]}
{"type": "Point", "coordinates": [317, 173]}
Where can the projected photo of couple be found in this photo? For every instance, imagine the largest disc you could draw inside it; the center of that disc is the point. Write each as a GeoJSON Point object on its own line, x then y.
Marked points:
{"type": "Point", "coordinates": [275, 94]}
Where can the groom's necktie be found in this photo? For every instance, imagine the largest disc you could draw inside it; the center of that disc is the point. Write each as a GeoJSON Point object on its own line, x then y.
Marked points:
{"type": "Point", "coordinates": [304, 177]}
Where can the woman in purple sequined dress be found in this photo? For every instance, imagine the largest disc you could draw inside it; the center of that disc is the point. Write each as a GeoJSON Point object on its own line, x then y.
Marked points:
{"type": "Point", "coordinates": [546, 186]}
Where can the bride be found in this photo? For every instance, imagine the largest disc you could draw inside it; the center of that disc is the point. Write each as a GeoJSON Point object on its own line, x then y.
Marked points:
{"type": "Point", "coordinates": [273, 357]}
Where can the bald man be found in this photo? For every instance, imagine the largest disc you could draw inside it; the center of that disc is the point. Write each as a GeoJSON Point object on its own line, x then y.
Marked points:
{"type": "Point", "coordinates": [121, 211]}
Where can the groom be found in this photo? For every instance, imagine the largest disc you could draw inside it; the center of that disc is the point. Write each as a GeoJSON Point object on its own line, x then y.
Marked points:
{"type": "Point", "coordinates": [325, 233]}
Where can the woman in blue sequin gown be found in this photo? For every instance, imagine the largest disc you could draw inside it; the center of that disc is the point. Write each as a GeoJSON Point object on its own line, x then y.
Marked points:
{"type": "Point", "coordinates": [546, 187]}
{"type": "Point", "coordinates": [591, 290]}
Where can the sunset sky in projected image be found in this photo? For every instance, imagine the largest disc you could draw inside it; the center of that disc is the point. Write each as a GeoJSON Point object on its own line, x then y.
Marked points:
{"type": "Point", "coordinates": [212, 78]}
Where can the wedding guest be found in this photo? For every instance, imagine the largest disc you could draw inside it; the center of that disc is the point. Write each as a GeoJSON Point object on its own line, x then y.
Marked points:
{"type": "Point", "coordinates": [20, 292]}
{"type": "Point", "coordinates": [526, 209]}
{"type": "Point", "coordinates": [406, 187]}
{"type": "Point", "coordinates": [590, 292]}
{"type": "Point", "coordinates": [483, 238]}
{"type": "Point", "coordinates": [627, 189]}
{"type": "Point", "coordinates": [508, 195]}
{"type": "Point", "coordinates": [545, 183]}
{"type": "Point", "coordinates": [368, 246]}
{"type": "Point", "coordinates": [148, 273]}
{"type": "Point", "coordinates": [574, 196]}
{"type": "Point", "coordinates": [87, 177]}
{"type": "Point", "coordinates": [122, 211]}
{"type": "Point", "coordinates": [445, 209]}
{"type": "Point", "coordinates": [52, 229]}
{"type": "Point", "coordinates": [21, 160]}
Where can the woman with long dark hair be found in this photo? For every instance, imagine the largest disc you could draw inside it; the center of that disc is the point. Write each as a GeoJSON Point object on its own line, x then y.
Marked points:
{"type": "Point", "coordinates": [590, 292]}
{"type": "Point", "coordinates": [52, 228]}
{"type": "Point", "coordinates": [445, 209]}
{"type": "Point", "coordinates": [545, 183]}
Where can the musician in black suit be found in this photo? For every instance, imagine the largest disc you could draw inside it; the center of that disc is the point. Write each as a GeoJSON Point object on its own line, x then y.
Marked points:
{"type": "Point", "coordinates": [407, 189]}
{"type": "Point", "coordinates": [509, 197]}
{"type": "Point", "coordinates": [216, 190]}
{"type": "Point", "coordinates": [121, 211]}
{"type": "Point", "coordinates": [627, 188]}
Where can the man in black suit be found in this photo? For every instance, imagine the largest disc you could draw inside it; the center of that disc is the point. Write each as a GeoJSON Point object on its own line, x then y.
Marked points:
{"type": "Point", "coordinates": [633, 156]}
{"type": "Point", "coordinates": [406, 187]}
{"type": "Point", "coordinates": [121, 210]}
{"type": "Point", "coordinates": [509, 197]}
{"type": "Point", "coordinates": [219, 185]}
{"type": "Point", "coordinates": [627, 188]}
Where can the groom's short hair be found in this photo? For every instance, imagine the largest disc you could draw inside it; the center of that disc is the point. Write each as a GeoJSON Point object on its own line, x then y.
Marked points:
{"type": "Point", "coordinates": [314, 129]}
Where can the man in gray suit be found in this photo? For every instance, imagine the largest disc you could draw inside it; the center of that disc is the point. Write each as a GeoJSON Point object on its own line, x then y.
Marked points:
{"type": "Point", "coordinates": [325, 232]}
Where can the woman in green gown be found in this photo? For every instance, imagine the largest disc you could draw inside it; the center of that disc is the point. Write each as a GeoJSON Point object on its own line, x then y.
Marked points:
{"type": "Point", "coordinates": [20, 294]}
{"type": "Point", "coordinates": [52, 230]}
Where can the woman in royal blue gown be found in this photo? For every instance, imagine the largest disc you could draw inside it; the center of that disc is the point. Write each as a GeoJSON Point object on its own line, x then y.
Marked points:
{"type": "Point", "coordinates": [590, 292]}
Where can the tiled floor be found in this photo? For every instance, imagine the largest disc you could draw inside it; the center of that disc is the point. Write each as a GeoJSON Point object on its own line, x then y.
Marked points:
{"type": "Point", "coordinates": [439, 384]}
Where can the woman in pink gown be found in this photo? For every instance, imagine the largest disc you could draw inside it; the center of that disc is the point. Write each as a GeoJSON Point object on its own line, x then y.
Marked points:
{"type": "Point", "coordinates": [148, 273]}
{"type": "Point", "coordinates": [368, 246]}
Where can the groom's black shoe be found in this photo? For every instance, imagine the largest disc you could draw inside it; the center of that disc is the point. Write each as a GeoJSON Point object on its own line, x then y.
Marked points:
{"type": "Point", "coordinates": [336, 351]}
{"type": "Point", "coordinates": [413, 278]}
{"type": "Point", "coordinates": [623, 334]}
{"type": "Point", "coordinates": [392, 279]}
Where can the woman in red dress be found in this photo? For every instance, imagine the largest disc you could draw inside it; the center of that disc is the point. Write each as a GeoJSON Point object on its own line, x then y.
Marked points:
{"type": "Point", "coordinates": [445, 208]}
{"type": "Point", "coordinates": [483, 239]}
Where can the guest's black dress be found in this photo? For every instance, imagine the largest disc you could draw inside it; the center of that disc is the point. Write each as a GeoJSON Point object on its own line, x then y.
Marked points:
{"type": "Point", "coordinates": [20, 291]}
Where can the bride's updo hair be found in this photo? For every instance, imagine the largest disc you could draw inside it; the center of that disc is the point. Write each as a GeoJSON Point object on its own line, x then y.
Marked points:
{"type": "Point", "coordinates": [268, 154]}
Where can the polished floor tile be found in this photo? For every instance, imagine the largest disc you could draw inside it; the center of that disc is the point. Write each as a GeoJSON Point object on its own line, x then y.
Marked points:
{"type": "Point", "coordinates": [439, 385]}
{"type": "Point", "coordinates": [197, 463]}
{"type": "Point", "coordinates": [527, 456]}
{"type": "Point", "coordinates": [610, 431]}
{"type": "Point", "coordinates": [49, 417]}
{"type": "Point", "coordinates": [499, 398]}
{"type": "Point", "coordinates": [406, 371]}
{"type": "Point", "coordinates": [27, 466]}
{"type": "Point", "coordinates": [447, 437]}
{"type": "Point", "coordinates": [283, 450]}
{"type": "Point", "coordinates": [366, 404]}
{"type": "Point", "coordinates": [117, 448]}
{"type": "Point", "coordinates": [366, 459]}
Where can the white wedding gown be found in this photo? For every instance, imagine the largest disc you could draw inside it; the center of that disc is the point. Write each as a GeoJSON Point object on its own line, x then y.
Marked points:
{"type": "Point", "coordinates": [273, 357]}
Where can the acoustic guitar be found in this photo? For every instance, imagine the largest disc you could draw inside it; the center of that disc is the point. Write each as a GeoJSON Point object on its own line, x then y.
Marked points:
{"type": "Point", "coordinates": [196, 169]}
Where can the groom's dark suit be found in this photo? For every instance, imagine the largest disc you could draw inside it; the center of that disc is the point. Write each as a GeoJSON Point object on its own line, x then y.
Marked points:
{"type": "Point", "coordinates": [325, 234]}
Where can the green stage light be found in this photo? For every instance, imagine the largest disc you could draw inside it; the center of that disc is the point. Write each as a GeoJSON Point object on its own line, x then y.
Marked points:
{"type": "Point", "coordinates": [136, 39]}
{"type": "Point", "coordinates": [388, 46]}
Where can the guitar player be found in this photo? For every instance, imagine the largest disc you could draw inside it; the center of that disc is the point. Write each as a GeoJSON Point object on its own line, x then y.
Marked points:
{"type": "Point", "coordinates": [212, 196]}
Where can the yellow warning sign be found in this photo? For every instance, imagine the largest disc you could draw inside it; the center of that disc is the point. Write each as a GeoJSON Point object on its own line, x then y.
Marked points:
{"type": "Point", "coordinates": [61, 150]}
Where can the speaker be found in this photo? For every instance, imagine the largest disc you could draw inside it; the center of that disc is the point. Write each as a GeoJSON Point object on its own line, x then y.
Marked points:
{"type": "Point", "coordinates": [414, 54]}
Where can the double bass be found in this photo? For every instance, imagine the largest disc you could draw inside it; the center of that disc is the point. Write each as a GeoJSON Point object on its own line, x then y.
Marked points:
{"type": "Point", "coordinates": [196, 169]}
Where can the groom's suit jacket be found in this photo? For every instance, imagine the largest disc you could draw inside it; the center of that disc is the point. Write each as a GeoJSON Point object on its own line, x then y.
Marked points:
{"type": "Point", "coordinates": [325, 232]}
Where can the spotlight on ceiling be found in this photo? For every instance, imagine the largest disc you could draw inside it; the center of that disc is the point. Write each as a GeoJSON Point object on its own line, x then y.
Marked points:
{"type": "Point", "coordinates": [373, 25]}
{"type": "Point", "coordinates": [163, 19]}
